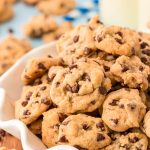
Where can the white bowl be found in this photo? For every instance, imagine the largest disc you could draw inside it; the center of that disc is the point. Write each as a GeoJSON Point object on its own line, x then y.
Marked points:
{"type": "Point", "coordinates": [10, 89]}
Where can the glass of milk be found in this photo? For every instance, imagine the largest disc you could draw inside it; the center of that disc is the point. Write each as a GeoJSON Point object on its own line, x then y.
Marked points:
{"type": "Point", "coordinates": [119, 12]}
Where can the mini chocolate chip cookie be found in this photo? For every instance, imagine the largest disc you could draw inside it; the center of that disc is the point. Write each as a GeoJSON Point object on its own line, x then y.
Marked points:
{"type": "Point", "coordinates": [56, 7]}
{"type": "Point", "coordinates": [50, 126]}
{"type": "Point", "coordinates": [81, 87]}
{"type": "Point", "coordinates": [84, 132]}
{"type": "Point", "coordinates": [11, 49]}
{"type": "Point", "coordinates": [117, 41]}
{"type": "Point", "coordinates": [76, 44]}
{"type": "Point", "coordinates": [33, 102]}
{"type": "Point", "coordinates": [36, 67]}
{"type": "Point", "coordinates": [39, 25]}
{"type": "Point", "coordinates": [128, 141]}
{"type": "Point", "coordinates": [131, 71]}
{"type": "Point", "coordinates": [123, 109]}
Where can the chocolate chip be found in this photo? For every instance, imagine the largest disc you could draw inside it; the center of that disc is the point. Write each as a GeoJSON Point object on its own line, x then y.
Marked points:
{"type": "Point", "coordinates": [119, 41]}
{"type": "Point", "coordinates": [79, 147]}
{"type": "Point", "coordinates": [87, 50]}
{"type": "Point", "coordinates": [141, 68]}
{"type": "Point", "coordinates": [43, 88]}
{"type": "Point", "coordinates": [132, 106]}
{"type": "Point", "coordinates": [85, 126]}
{"type": "Point", "coordinates": [63, 139]}
{"type": "Point", "coordinates": [2, 133]}
{"type": "Point", "coordinates": [99, 39]}
{"type": "Point", "coordinates": [120, 34]}
{"type": "Point", "coordinates": [10, 30]}
{"type": "Point", "coordinates": [68, 88]}
{"type": "Point", "coordinates": [121, 106]}
{"type": "Point", "coordinates": [114, 102]}
{"type": "Point", "coordinates": [75, 88]}
{"type": "Point", "coordinates": [45, 101]}
{"type": "Point", "coordinates": [134, 140]}
{"type": "Point", "coordinates": [73, 66]}
{"type": "Point", "coordinates": [37, 82]}
{"type": "Point", "coordinates": [102, 90]}
{"type": "Point", "coordinates": [49, 56]}
{"type": "Point", "coordinates": [144, 60]}
{"type": "Point", "coordinates": [28, 96]}
{"type": "Point", "coordinates": [76, 39]}
{"type": "Point", "coordinates": [106, 68]}
{"type": "Point", "coordinates": [24, 103]}
{"type": "Point", "coordinates": [115, 121]}
{"type": "Point", "coordinates": [101, 126]}
{"type": "Point", "coordinates": [143, 45]}
{"type": "Point", "coordinates": [99, 22]}
{"type": "Point", "coordinates": [93, 102]}
{"type": "Point", "coordinates": [146, 52]}
{"type": "Point", "coordinates": [100, 137]}
{"type": "Point", "coordinates": [86, 77]}
{"type": "Point", "coordinates": [41, 66]}
{"type": "Point", "coordinates": [62, 117]}
{"type": "Point", "coordinates": [26, 112]}
{"type": "Point", "coordinates": [57, 84]}
{"type": "Point", "coordinates": [125, 68]}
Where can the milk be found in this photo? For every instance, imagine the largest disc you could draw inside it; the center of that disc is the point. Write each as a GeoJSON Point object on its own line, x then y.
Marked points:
{"type": "Point", "coordinates": [120, 12]}
{"type": "Point", "coordinates": [144, 15]}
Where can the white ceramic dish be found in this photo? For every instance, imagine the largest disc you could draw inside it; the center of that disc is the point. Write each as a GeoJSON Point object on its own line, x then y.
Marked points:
{"type": "Point", "coordinates": [10, 88]}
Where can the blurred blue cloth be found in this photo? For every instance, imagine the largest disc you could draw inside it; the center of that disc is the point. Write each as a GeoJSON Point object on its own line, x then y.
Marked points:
{"type": "Point", "coordinates": [84, 10]}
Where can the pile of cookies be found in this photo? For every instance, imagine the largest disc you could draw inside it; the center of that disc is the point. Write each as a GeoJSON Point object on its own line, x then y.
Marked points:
{"type": "Point", "coordinates": [95, 95]}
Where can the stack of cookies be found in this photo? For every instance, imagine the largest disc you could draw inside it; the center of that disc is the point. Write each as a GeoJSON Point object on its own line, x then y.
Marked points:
{"type": "Point", "coordinates": [95, 95]}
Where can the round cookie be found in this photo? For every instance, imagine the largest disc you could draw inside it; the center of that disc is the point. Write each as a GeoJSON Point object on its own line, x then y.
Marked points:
{"type": "Point", "coordinates": [36, 67]}
{"type": "Point", "coordinates": [50, 126]}
{"type": "Point", "coordinates": [11, 49]}
{"type": "Point", "coordinates": [81, 87]}
{"type": "Point", "coordinates": [131, 71]}
{"type": "Point", "coordinates": [84, 132]}
{"type": "Point", "coordinates": [6, 11]}
{"type": "Point", "coordinates": [39, 25]}
{"type": "Point", "coordinates": [128, 141]}
{"type": "Point", "coordinates": [76, 44]}
{"type": "Point", "coordinates": [33, 102]}
{"type": "Point", "coordinates": [123, 109]}
{"type": "Point", "coordinates": [117, 41]}
{"type": "Point", "coordinates": [146, 124]}
{"type": "Point", "coordinates": [56, 7]}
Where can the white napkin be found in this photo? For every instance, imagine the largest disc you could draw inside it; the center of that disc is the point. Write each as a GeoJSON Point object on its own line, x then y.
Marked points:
{"type": "Point", "coordinates": [10, 89]}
